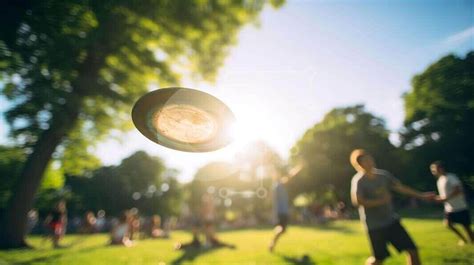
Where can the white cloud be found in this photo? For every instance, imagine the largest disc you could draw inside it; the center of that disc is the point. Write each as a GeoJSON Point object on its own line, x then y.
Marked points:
{"type": "Point", "coordinates": [460, 37]}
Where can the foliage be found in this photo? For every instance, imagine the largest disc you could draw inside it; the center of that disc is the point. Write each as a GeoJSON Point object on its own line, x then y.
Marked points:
{"type": "Point", "coordinates": [11, 160]}
{"type": "Point", "coordinates": [139, 181]}
{"type": "Point", "coordinates": [439, 120]}
{"type": "Point", "coordinates": [326, 147]}
{"type": "Point", "coordinates": [100, 56]}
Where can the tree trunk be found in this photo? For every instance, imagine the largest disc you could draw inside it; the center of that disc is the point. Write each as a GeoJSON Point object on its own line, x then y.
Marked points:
{"type": "Point", "coordinates": [13, 225]}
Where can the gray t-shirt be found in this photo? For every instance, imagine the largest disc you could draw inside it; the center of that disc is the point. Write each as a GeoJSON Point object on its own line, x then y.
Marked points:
{"type": "Point", "coordinates": [373, 189]}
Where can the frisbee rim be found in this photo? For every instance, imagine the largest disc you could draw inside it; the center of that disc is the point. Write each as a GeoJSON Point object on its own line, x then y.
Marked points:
{"type": "Point", "coordinates": [149, 104]}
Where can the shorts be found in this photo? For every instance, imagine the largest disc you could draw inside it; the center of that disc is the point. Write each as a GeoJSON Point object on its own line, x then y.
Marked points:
{"type": "Point", "coordinates": [283, 220]}
{"type": "Point", "coordinates": [461, 217]}
{"type": "Point", "coordinates": [394, 234]}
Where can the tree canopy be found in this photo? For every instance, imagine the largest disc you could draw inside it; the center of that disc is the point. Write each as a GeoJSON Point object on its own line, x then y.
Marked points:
{"type": "Point", "coordinates": [327, 145]}
{"type": "Point", "coordinates": [140, 181]}
{"type": "Point", "coordinates": [439, 115]}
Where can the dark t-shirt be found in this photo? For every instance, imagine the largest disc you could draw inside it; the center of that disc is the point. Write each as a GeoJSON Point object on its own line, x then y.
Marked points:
{"type": "Point", "coordinates": [374, 189]}
{"type": "Point", "coordinates": [56, 216]}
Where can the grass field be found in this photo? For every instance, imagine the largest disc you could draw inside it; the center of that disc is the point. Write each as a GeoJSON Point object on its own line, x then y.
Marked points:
{"type": "Point", "coordinates": [341, 242]}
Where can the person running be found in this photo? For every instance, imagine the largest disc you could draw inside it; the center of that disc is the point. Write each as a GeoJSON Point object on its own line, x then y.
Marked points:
{"type": "Point", "coordinates": [451, 193]}
{"type": "Point", "coordinates": [280, 203]}
{"type": "Point", "coordinates": [371, 191]}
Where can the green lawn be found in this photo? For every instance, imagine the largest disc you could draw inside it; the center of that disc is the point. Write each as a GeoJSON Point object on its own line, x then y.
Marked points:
{"type": "Point", "coordinates": [342, 242]}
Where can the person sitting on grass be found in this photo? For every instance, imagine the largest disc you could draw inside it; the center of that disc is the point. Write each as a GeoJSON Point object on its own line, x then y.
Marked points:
{"type": "Point", "coordinates": [371, 191]}
{"type": "Point", "coordinates": [280, 203]}
{"type": "Point", "coordinates": [451, 193]}
{"type": "Point", "coordinates": [120, 233]}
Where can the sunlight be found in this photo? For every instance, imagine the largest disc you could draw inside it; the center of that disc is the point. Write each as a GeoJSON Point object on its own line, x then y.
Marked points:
{"type": "Point", "coordinates": [249, 127]}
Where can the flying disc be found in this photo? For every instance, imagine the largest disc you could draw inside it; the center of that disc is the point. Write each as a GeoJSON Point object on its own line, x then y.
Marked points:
{"type": "Point", "coordinates": [183, 119]}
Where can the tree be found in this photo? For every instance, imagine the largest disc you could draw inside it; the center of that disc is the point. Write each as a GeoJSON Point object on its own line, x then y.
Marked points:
{"type": "Point", "coordinates": [139, 181]}
{"type": "Point", "coordinates": [73, 69]}
{"type": "Point", "coordinates": [439, 116]}
{"type": "Point", "coordinates": [327, 145]}
{"type": "Point", "coordinates": [11, 160]}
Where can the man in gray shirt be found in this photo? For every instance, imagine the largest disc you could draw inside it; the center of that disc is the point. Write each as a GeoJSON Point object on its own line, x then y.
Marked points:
{"type": "Point", "coordinates": [371, 190]}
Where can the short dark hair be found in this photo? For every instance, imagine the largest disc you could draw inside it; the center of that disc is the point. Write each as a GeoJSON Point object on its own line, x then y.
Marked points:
{"type": "Point", "coordinates": [439, 164]}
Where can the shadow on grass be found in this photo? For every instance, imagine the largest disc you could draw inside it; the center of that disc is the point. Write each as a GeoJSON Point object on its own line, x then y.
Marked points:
{"type": "Point", "coordinates": [304, 260]}
{"type": "Point", "coordinates": [49, 259]}
{"type": "Point", "coordinates": [330, 225]}
{"type": "Point", "coordinates": [191, 253]}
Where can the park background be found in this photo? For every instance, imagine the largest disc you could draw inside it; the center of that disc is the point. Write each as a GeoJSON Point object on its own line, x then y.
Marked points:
{"type": "Point", "coordinates": [307, 80]}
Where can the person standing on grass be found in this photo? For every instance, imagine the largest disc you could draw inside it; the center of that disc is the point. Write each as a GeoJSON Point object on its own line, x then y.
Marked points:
{"type": "Point", "coordinates": [451, 193]}
{"type": "Point", "coordinates": [371, 191]}
{"type": "Point", "coordinates": [56, 222]}
{"type": "Point", "coordinates": [120, 233]}
{"type": "Point", "coordinates": [280, 203]}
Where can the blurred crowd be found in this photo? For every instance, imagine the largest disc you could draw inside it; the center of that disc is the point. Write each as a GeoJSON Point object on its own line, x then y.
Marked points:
{"type": "Point", "coordinates": [129, 226]}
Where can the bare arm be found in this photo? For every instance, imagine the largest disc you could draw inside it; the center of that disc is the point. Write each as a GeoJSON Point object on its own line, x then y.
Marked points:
{"type": "Point", "coordinates": [403, 189]}
{"type": "Point", "coordinates": [457, 190]}
{"type": "Point", "coordinates": [293, 172]}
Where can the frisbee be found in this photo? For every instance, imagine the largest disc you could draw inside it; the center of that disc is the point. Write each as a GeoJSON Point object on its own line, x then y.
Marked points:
{"type": "Point", "coordinates": [183, 119]}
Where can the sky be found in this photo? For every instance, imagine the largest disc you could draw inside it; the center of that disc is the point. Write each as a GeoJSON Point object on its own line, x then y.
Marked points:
{"type": "Point", "coordinates": [309, 57]}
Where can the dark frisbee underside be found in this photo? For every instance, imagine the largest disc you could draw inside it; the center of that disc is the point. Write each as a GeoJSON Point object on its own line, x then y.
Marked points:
{"type": "Point", "coordinates": [183, 119]}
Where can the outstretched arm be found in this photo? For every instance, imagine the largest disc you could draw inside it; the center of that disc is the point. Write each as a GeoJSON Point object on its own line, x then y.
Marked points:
{"type": "Point", "coordinates": [292, 172]}
{"type": "Point", "coordinates": [403, 189]}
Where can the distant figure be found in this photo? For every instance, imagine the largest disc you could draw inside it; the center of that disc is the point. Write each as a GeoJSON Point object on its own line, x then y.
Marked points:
{"type": "Point", "coordinates": [371, 191]}
{"type": "Point", "coordinates": [89, 223]}
{"type": "Point", "coordinates": [101, 221]}
{"type": "Point", "coordinates": [341, 210]}
{"type": "Point", "coordinates": [281, 205]}
{"type": "Point", "coordinates": [32, 219]}
{"type": "Point", "coordinates": [134, 223]}
{"type": "Point", "coordinates": [56, 222]}
{"type": "Point", "coordinates": [451, 193]}
{"type": "Point", "coordinates": [195, 242]}
{"type": "Point", "coordinates": [208, 217]}
{"type": "Point", "coordinates": [120, 233]}
{"type": "Point", "coordinates": [155, 228]}
{"type": "Point", "coordinates": [204, 222]}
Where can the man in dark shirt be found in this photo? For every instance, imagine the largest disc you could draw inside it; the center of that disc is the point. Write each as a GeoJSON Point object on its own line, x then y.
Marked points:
{"type": "Point", "coordinates": [371, 190]}
{"type": "Point", "coordinates": [56, 222]}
